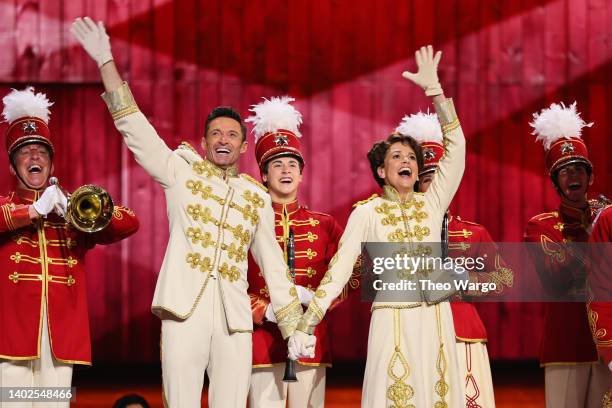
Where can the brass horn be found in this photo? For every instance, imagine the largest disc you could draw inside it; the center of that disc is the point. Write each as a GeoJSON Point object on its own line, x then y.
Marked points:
{"type": "Point", "coordinates": [90, 207]}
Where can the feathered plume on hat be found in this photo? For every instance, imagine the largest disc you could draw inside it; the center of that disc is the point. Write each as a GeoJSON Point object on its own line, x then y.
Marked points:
{"type": "Point", "coordinates": [274, 114]}
{"type": "Point", "coordinates": [556, 122]}
{"type": "Point", "coordinates": [276, 126]}
{"type": "Point", "coordinates": [28, 116]}
{"type": "Point", "coordinates": [423, 127]}
{"type": "Point", "coordinates": [19, 104]}
{"type": "Point", "coordinates": [559, 128]}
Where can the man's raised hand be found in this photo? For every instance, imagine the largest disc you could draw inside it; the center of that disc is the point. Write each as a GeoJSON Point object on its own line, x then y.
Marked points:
{"type": "Point", "coordinates": [93, 38]}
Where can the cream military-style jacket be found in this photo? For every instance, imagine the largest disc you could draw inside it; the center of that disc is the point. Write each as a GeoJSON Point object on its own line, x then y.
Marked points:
{"type": "Point", "coordinates": [216, 216]}
{"type": "Point", "coordinates": [418, 218]}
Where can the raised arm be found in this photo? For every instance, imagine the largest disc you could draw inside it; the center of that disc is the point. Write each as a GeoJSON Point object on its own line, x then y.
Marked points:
{"type": "Point", "coordinates": [150, 151]}
{"type": "Point", "coordinates": [450, 168]}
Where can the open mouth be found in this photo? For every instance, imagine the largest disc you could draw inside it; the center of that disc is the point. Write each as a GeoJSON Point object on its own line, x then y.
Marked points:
{"type": "Point", "coordinates": [575, 186]}
{"type": "Point", "coordinates": [286, 180]}
{"type": "Point", "coordinates": [405, 172]}
{"type": "Point", "coordinates": [34, 169]}
{"type": "Point", "coordinates": [224, 151]}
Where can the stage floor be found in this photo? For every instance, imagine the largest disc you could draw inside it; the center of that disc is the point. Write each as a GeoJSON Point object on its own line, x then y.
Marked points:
{"type": "Point", "coordinates": [516, 385]}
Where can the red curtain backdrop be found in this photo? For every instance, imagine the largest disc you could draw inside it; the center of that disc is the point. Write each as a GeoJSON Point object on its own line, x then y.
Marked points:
{"type": "Point", "coordinates": [502, 60]}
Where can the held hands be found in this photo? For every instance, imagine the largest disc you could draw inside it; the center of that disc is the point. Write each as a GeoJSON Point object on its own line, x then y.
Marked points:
{"type": "Point", "coordinates": [51, 199]}
{"type": "Point", "coordinates": [93, 38]}
{"type": "Point", "coordinates": [301, 345]}
{"type": "Point", "coordinates": [304, 295]}
{"type": "Point", "coordinates": [427, 75]}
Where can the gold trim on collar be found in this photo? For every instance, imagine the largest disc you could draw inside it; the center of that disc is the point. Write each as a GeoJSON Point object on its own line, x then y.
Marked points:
{"type": "Point", "coordinates": [208, 169]}
{"type": "Point", "coordinates": [391, 194]}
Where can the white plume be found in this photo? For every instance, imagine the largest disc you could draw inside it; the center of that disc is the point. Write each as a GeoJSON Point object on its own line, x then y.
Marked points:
{"type": "Point", "coordinates": [556, 122]}
{"type": "Point", "coordinates": [273, 114]}
{"type": "Point", "coordinates": [18, 104]}
{"type": "Point", "coordinates": [423, 127]}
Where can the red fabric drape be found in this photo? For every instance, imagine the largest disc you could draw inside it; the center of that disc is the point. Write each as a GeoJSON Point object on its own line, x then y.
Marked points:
{"type": "Point", "coordinates": [342, 61]}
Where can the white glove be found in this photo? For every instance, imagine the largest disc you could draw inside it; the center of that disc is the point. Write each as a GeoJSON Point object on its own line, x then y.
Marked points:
{"type": "Point", "coordinates": [62, 205]}
{"type": "Point", "coordinates": [301, 345]}
{"type": "Point", "coordinates": [269, 315]}
{"type": "Point", "coordinates": [93, 38]}
{"type": "Point", "coordinates": [48, 201]}
{"type": "Point", "coordinates": [610, 365]}
{"type": "Point", "coordinates": [304, 295]}
{"type": "Point", "coordinates": [427, 75]}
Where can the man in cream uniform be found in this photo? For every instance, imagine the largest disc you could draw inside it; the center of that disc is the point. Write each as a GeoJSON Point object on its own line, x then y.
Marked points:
{"type": "Point", "coordinates": [215, 216]}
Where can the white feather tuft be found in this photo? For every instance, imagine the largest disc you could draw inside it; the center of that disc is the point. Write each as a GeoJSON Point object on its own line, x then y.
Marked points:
{"type": "Point", "coordinates": [556, 122]}
{"type": "Point", "coordinates": [18, 104]}
{"type": "Point", "coordinates": [423, 127]}
{"type": "Point", "coordinates": [273, 114]}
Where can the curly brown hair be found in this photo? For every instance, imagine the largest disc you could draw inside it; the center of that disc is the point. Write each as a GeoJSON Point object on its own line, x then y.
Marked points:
{"type": "Point", "coordinates": [377, 154]}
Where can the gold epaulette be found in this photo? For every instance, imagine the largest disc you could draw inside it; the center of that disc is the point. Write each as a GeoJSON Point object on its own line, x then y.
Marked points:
{"type": "Point", "coordinates": [187, 146]}
{"type": "Point", "coordinates": [600, 203]}
{"type": "Point", "coordinates": [545, 216]}
{"type": "Point", "coordinates": [317, 212]}
{"type": "Point", "coordinates": [370, 198]}
{"type": "Point", "coordinates": [252, 180]}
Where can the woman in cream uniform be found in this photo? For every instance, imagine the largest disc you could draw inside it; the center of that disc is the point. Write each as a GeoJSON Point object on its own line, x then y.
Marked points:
{"type": "Point", "coordinates": [411, 360]}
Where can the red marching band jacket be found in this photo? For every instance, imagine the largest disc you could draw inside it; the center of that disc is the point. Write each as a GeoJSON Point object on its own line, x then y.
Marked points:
{"type": "Point", "coordinates": [44, 262]}
{"type": "Point", "coordinates": [469, 239]}
{"type": "Point", "coordinates": [600, 285]}
{"type": "Point", "coordinates": [566, 337]}
{"type": "Point", "coordinates": [316, 237]}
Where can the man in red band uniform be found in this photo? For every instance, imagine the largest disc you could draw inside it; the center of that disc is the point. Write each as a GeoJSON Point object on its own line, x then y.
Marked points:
{"type": "Point", "coordinates": [466, 239]}
{"type": "Point", "coordinates": [573, 376]}
{"type": "Point", "coordinates": [316, 236]}
{"type": "Point", "coordinates": [43, 299]}
{"type": "Point", "coordinates": [600, 287]}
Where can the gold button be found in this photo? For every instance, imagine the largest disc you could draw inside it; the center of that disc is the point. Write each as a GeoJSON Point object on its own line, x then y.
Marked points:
{"type": "Point", "coordinates": [222, 201]}
{"type": "Point", "coordinates": [216, 223]}
{"type": "Point", "coordinates": [232, 205]}
{"type": "Point", "coordinates": [225, 225]}
{"type": "Point", "coordinates": [223, 247]}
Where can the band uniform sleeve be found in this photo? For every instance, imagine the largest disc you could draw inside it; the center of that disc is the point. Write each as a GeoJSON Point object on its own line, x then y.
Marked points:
{"type": "Point", "coordinates": [149, 150]}
{"type": "Point", "coordinates": [269, 256]}
{"type": "Point", "coordinates": [552, 262]}
{"type": "Point", "coordinates": [600, 321]}
{"type": "Point", "coordinates": [123, 224]}
{"type": "Point", "coordinates": [14, 217]}
{"type": "Point", "coordinates": [259, 303]}
{"type": "Point", "coordinates": [258, 308]}
{"type": "Point", "coordinates": [339, 271]}
{"type": "Point", "coordinates": [450, 168]}
{"type": "Point", "coordinates": [495, 269]}
{"type": "Point", "coordinates": [599, 308]}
